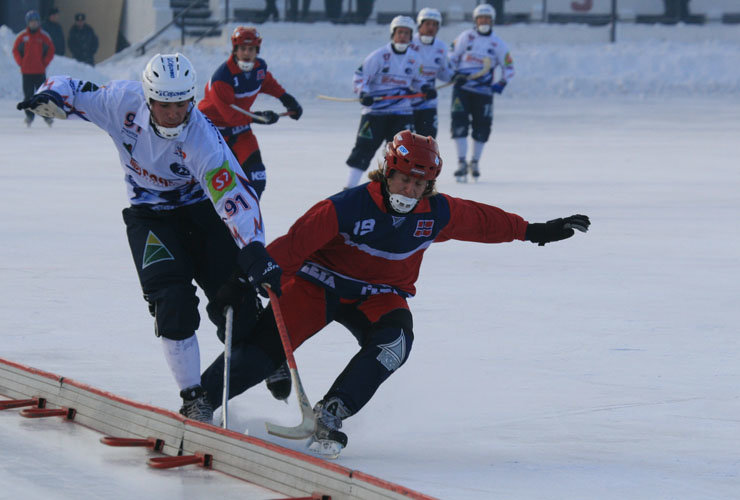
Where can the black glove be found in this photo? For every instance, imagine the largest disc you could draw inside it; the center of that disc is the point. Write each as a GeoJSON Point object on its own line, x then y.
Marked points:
{"type": "Point", "coordinates": [556, 229]}
{"type": "Point", "coordinates": [498, 87]}
{"type": "Point", "coordinates": [366, 100]}
{"type": "Point", "coordinates": [430, 92]}
{"type": "Point", "coordinates": [47, 103]}
{"type": "Point", "coordinates": [233, 292]}
{"type": "Point", "coordinates": [292, 106]}
{"type": "Point", "coordinates": [260, 268]}
{"type": "Point", "coordinates": [267, 117]}
{"type": "Point", "coordinates": [459, 79]}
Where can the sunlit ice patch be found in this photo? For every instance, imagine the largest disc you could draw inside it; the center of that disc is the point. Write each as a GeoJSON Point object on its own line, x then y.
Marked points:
{"type": "Point", "coordinates": [403, 150]}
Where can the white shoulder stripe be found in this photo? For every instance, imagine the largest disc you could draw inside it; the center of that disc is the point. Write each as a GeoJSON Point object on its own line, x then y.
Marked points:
{"type": "Point", "coordinates": [382, 254]}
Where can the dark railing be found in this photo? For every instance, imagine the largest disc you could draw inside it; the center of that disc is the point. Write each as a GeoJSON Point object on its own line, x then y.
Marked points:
{"type": "Point", "coordinates": [141, 49]}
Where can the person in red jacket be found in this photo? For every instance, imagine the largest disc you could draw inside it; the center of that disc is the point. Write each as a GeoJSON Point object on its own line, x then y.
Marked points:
{"type": "Point", "coordinates": [354, 258]}
{"type": "Point", "coordinates": [33, 50]}
{"type": "Point", "coordinates": [236, 83]}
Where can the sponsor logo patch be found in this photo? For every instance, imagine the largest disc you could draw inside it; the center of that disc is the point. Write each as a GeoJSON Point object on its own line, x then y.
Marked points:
{"type": "Point", "coordinates": [155, 251]}
{"type": "Point", "coordinates": [424, 228]}
{"type": "Point", "coordinates": [220, 181]}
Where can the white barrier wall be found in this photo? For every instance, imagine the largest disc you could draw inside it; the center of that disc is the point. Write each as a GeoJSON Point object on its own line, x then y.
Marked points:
{"type": "Point", "coordinates": [142, 18]}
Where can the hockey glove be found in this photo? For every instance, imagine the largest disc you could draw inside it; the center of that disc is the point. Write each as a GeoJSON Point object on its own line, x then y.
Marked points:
{"type": "Point", "coordinates": [260, 268]}
{"type": "Point", "coordinates": [233, 292]}
{"type": "Point", "coordinates": [556, 229]}
{"type": "Point", "coordinates": [499, 86]}
{"type": "Point", "coordinates": [266, 117]}
{"type": "Point", "coordinates": [430, 92]}
{"type": "Point", "coordinates": [292, 106]}
{"type": "Point", "coordinates": [459, 79]}
{"type": "Point", "coordinates": [47, 103]}
{"type": "Point", "coordinates": [366, 100]}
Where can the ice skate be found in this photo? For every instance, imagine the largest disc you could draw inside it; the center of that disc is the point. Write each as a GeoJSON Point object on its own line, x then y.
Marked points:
{"type": "Point", "coordinates": [279, 383]}
{"type": "Point", "coordinates": [48, 120]}
{"type": "Point", "coordinates": [28, 121]}
{"type": "Point", "coordinates": [461, 174]}
{"type": "Point", "coordinates": [195, 405]}
{"type": "Point", "coordinates": [473, 168]}
{"type": "Point", "coordinates": [328, 441]}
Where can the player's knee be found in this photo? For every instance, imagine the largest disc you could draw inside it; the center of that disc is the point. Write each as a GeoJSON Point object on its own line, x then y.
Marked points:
{"type": "Point", "coordinates": [360, 158]}
{"type": "Point", "coordinates": [481, 135]}
{"type": "Point", "coordinates": [393, 335]}
{"type": "Point", "coordinates": [175, 311]}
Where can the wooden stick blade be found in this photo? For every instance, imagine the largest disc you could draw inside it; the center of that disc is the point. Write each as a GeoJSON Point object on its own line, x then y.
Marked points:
{"type": "Point", "coordinates": [308, 424]}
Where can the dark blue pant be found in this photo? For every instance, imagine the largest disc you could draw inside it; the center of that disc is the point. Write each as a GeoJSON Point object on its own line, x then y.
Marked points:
{"type": "Point", "coordinates": [173, 248]}
{"type": "Point", "coordinates": [373, 130]}
{"type": "Point", "coordinates": [471, 108]}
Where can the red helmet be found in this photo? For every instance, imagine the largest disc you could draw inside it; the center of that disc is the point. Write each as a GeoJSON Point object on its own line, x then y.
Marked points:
{"type": "Point", "coordinates": [413, 155]}
{"type": "Point", "coordinates": [246, 35]}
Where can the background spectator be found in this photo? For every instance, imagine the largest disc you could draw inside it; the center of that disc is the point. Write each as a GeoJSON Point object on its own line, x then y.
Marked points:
{"type": "Point", "coordinates": [55, 31]}
{"type": "Point", "coordinates": [33, 50]}
{"type": "Point", "coordinates": [333, 9]}
{"type": "Point", "coordinates": [83, 42]}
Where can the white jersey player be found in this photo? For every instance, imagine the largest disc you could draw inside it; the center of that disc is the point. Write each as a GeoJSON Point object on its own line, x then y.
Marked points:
{"type": "Point", "coordinates": [390, 71]}
{"type": "Point", "coordinates": [434, 65]}
{"type": "Point", "coordinates": [472, 99]}
{"type": "Point", "coordinates": [193, 214]}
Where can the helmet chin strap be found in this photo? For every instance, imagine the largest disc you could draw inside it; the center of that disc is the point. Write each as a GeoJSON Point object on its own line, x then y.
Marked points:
{"type": "Point", "coordinates": [402, 204]}
{"type": "Point", "coordinates": [483, 29]}
{"type": "Point", "coordinates": [245, 65]}
{"type": "Point", "coordinates": [169, 132]}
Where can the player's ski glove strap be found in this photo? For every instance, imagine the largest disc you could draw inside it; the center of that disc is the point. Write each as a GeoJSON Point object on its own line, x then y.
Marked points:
{"type": "Point", "coordinates": [291, 105]}
{"type": "Point", "coordinates": [556, 229]}
{"type": "Point", "coordinates": [47, 103]}
{"type": "Point", "coordinates": [260, 268]}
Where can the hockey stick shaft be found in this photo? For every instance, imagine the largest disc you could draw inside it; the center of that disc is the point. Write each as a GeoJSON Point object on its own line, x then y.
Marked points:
{"type": "Point", "coordinates": [255, 116]}
{"type": "Point", "coordinates": [308, 423]}
{"type": "Point", "coordinates": [483, 71]}
{"type": "Point", "coordinates": [486, 68]}
{"type": "Point", "coordinates": [228, 335]}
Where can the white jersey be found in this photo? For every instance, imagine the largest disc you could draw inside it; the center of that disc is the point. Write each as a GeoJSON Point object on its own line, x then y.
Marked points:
{"type": "Point", "coordinates": [435, 65]}
{"type": "Point", "coordinates": [384, 72]}
{"type": "Point", "coordinates": [469, 50]}
{"type": "Point", "coordinates": [164, 174]}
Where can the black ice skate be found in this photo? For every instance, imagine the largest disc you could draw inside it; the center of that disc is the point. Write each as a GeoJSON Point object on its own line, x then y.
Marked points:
{"type": "Point", "coordinates": [279, 383]}
{"type": "Point", "coordinates": [461, 174]}
{"type": "Point", "coordinates": [328, 440]}
{"type": "Point", "coordinates": [195, 405]}
{"type": "Point", "coordinates": [473, 167]}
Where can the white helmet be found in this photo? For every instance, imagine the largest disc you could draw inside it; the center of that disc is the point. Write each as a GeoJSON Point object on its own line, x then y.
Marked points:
{"type": "Point", "coordinates": [169, 78]}
{"type": "Point", "coordinates": [402, 22]}
{"type": "Point", "coordinates": [484, 9]}
{"type": "Point", "coordinates": [430, 14]}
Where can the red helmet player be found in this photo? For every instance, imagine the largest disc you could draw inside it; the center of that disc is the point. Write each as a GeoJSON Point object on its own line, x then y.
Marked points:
{"type": "Point", "coordinates": [246, 35]}
{"type": "Point", "coordinates": [414, 155]}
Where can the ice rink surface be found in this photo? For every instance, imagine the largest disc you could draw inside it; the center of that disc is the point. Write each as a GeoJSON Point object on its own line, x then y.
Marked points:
{"type": "Point", "coordinates": [604, 366]}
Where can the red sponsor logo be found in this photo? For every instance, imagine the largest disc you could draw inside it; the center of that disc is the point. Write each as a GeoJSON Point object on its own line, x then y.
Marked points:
{"type": "Point", "coordinates": [221, 180]}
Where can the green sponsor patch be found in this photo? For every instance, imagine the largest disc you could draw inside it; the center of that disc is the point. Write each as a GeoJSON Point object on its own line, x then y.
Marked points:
{"type": "Point", "coordinates": [220, 181]}
{"type": "Point", "coordinates": [366, 132]}
{"type": "Point", "coordinates": [155, 251]}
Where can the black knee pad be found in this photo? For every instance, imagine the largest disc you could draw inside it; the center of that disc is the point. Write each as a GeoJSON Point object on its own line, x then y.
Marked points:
{"type": "Point", "coordinates": [361, 156]}
{"type": "Point", "coordinates": [481, 134]}
{"type": "Point", "coordinates": [175, 311]}
{"type": "Point", "coordinates": [459, 125]}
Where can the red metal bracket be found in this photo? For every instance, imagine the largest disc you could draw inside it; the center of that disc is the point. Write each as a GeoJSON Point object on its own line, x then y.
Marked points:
{"type": "Point", "coordinates": [67, 413]}
{"type": "Point", "coordinates": [202, 459]}
{"type": "Point", "coordinates": [151, 442]}
{"type": "Point", "coordinates": [20, 403]}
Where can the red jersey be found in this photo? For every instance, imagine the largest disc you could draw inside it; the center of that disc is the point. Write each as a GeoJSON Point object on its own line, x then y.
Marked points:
{"type": "Point", "coordinates": [230, 85]}
{"type": "Point", "coordinates": [351, 244]}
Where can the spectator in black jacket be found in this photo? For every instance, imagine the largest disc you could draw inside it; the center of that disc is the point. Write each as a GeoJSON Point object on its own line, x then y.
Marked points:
{"type": "Point", "coordinates": [55, 31]}
{"type": "Point", "coordinates": [82, 40]}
